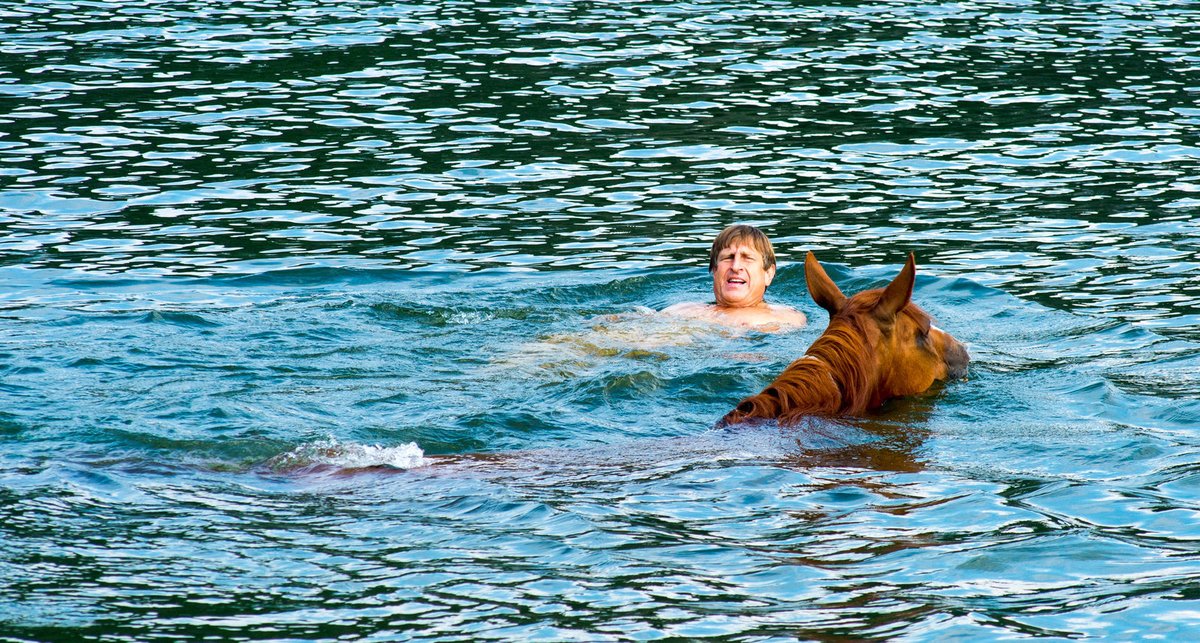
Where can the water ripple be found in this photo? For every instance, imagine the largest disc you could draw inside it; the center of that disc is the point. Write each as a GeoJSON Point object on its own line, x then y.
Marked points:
{"type": "Point", "coordinates": [262, 258]}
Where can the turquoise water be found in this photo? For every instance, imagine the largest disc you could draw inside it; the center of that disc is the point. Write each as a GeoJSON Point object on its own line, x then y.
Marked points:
{"type": "Point", "coordinates": [261, 261]}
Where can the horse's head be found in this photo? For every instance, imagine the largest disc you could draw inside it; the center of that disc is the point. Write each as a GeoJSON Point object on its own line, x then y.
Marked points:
{"type": "Point", "coordinates": [878, 345]}
{"type": "Point", "coordinates": [906, 352]}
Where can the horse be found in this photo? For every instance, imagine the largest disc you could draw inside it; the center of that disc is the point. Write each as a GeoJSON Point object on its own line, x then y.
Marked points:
{"type": "Point", "coordinates": [878, 345]}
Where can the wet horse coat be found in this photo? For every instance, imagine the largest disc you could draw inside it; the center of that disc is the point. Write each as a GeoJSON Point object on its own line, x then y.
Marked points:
{"type": "Point", "coordinates": [878, 345]}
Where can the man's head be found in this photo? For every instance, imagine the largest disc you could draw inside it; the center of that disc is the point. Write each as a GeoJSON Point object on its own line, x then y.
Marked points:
{"type": "Point", "coordinates": [742, 264]}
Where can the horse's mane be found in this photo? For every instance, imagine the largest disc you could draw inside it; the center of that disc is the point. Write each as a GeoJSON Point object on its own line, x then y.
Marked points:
{"type": "Point", "coordinates": [836, 377]}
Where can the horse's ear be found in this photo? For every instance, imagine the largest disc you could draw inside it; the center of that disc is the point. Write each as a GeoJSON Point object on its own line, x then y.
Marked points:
{"type": "Point", "coordinates": [898, 293]}
{"type": "Point", "coordinates": [821, 287]}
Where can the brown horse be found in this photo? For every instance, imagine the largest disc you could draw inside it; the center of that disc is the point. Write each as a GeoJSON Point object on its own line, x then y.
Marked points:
{"type": "Point", "coordinates": [878, 345]}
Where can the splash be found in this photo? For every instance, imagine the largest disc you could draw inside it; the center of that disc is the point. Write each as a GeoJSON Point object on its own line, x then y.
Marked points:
{"type": "Point", "coordinates": [331, 453]}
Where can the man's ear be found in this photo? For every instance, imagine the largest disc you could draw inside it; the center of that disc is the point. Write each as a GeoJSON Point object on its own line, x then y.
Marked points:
{"type": "Point", "coordinates": [770, 275]}
{"type": "Point", "coordinates": [821, 287]}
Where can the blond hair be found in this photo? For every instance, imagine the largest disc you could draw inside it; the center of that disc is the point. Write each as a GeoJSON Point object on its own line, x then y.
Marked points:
{"type": "Point", "coordinates": [746, 234]}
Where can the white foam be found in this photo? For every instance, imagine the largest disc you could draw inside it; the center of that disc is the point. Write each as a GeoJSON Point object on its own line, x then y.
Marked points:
{"type": "Point", "coordinates": [469, 318]}
{"type": "Point", "coordinates": [356, 456]}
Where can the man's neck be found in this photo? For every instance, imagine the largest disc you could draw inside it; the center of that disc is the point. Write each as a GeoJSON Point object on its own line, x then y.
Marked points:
{"type": "Point", "coordinates": [734, 308]}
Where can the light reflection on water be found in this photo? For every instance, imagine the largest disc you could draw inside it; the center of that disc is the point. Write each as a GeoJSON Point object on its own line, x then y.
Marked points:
{"type": "Point", "coordinates": [1028, 148]}
{"type": "Point", "coordinates": [247, 246]}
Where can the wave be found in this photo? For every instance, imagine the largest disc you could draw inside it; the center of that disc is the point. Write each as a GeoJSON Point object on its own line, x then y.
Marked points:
{"type": "Point", "coordinates": [330, 453]}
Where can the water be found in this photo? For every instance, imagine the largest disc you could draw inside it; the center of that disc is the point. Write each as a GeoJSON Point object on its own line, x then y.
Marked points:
{"type": "Point", "coordinates": [261, 261]}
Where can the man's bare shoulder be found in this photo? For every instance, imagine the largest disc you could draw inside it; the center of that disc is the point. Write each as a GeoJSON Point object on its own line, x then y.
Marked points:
{"type": "Point", "coordinates": [767, 318]}
{"type": "Point", "coordinates": [788, 315]}
{"type": "Point", "coordinates": [690, 309]}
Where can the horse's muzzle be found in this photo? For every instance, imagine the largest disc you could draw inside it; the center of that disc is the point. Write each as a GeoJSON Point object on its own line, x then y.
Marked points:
{"type": "Point", "coordinates": [957, 361]}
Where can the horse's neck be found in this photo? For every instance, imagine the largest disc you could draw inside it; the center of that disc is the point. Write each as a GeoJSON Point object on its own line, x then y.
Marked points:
{"type": "Point", "coordinates": [835, 377]}
{"type": "Point", "coordinates": [817, 389]}
{"type": "Point", "coordinates": [847, 360]}
{"type": "Point", "coordinates": [805, 388]}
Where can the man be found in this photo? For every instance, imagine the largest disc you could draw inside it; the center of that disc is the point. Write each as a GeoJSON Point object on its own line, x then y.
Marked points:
{"type": "Point", "coordinates": [742, 265]}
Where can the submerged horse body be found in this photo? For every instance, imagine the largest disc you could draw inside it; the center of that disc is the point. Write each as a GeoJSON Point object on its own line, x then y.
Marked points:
{"type": "Point", "coordinates": [878, 345]}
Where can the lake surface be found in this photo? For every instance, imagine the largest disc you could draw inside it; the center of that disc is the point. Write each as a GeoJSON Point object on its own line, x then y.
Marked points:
{"type": "Point", "coordinates": [261, 261]}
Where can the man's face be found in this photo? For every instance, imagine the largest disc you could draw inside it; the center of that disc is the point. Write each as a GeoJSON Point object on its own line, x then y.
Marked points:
{"type": "Point", "coordinates": [739, 279]}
